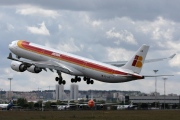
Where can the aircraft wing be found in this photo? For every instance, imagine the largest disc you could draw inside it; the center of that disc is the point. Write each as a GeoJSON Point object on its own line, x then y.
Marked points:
{"type": "Point", "coordinates": [117, 63]}
{"type": "Point", "coordinates": [44, 64]}
{"type": "Point", "coordinates": [63, 105]}
{"type": "Point", "coordinates": [97, 104]}
{"type": "Point", "coordinates": [121, 63]}
{"type": "Point", "coordinates": [52, 65]}
{"type": "Point", "coordinates": [107, 103]}
{"type": "Point", "coordinates": [159, 59]}
{"type": "Point", "coordinates": [82, 104]}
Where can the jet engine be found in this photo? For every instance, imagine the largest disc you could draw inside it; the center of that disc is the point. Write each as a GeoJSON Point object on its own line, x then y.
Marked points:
{"type": "Point", "coordinates": [18, 66]}
{"type": "Point", "coordinates": [34, 69]}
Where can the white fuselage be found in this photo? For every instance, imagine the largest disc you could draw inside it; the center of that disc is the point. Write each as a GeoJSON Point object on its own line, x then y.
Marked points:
{"type": "Point", "coordinates": [2, 106]}
{"type": "Point", "coordinates": [121, 107]}
{"type": "Point", "coordinates": [63, 107]}
{"type": "Point", "coordinates": [79, 65]}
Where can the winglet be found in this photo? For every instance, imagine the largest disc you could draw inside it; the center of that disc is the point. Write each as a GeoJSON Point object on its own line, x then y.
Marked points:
{"type": "Point", "coordinates": [172, 56]}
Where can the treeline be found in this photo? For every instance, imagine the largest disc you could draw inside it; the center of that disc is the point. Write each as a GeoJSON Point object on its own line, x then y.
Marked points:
{"type": "Point", "coordinates": [22, 103]}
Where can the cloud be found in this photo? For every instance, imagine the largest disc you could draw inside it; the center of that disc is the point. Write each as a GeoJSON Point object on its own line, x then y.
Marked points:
{"type": "Point", "coordinates": [10, 27]}
{"type": "Point", "coordinates": [160, 29]}
{"type": "Point", "coordinates": [37, 12]}
{"type": "Point", "coordinates": [100, 30]}
{"type": "Point", "coordinates": [60, 26]}
{"type": "Point", "coordinates": [105, 9]}
{"type": "Point", "coordinates": [87, 20]}
{"type": "Point", "coordinates": [67, 46]}
{"type": "Point", "coordinates": [117, 54]}
{"type": "Point", "coordinates": [122, 36]}
{"type": "Point", "coordinates": [42, 30]}
{"type": "Point", "coordinates": [175, 62]}
{"type": "Point", "coordinates": [96, 23]}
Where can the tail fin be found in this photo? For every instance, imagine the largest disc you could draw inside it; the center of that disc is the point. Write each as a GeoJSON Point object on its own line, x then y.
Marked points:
{"type": "Point", "coordinates": [131, 103]}
{"type": "Point", "coordinates": [136, 62]}
{"type": "Point", "coordinates": [10, 105]}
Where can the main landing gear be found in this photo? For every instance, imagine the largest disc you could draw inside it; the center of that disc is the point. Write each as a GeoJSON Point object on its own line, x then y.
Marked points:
{"type": "Point", "coordinates": [60, 79]}
{"type": "Point", "coordinates": [78, 79]}
{"type": "Point", "coordinates": [73, 80]}
{"type": "Point", "coordinates": [88, 80]}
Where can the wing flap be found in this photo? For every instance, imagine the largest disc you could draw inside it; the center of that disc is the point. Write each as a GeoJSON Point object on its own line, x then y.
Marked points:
{"type": "Point", "coordinates": [52, 65]}
{"type": "Point", "coordinates": [117, 63]}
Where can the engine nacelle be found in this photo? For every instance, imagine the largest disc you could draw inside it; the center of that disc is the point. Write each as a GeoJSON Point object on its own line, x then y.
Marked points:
{"type": "Point", "coordinates": [18, 66]}
{"type": "Point", "coordinates": [34, 69]}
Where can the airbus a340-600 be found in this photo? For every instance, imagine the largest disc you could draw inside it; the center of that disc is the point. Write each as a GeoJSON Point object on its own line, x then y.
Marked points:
{"type": "Point", "coordinates": [35, 58]}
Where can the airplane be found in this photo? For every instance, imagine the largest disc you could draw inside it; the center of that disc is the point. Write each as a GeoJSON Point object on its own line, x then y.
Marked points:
{"type": "Point", "coordinates": [89, 104]}
{"type": "Point", "coordinates": [130, 106]}
{"type": "Point", "coordinates": [92, 104]}
{"type": "Point", "coordinates": [65, 106]}
{"type": "Point", "coordinates": [6, 106]}
{"type": "Point", "coordinates": [37, 58]}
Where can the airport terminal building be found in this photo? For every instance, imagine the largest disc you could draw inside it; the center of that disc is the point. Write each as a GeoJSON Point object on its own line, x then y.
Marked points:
{"type": "Point", "coordinates": [171, 102]}
{"type": "Point", "coordinates": [152, 99]}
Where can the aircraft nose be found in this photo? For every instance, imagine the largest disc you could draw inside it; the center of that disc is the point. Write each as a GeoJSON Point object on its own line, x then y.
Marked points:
{"type": "Point", "coordinates": [12, 45]}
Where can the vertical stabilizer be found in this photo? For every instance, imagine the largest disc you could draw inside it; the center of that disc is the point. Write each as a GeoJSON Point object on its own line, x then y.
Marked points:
{"type": "Point", "coordinates": [10, 105]}
{"type": "Point", "coordinates": [136, 62]}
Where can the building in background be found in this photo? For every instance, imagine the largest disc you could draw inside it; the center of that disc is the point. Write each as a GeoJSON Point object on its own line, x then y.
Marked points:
{"type": "Point", "coordinates": [119, 97]}
{"type": "Point", "coordinates": [9, 94]}
{"type": "Point", "coordinates": [74, 91]}
{"type": "Point", "coordinates": [59, 92]}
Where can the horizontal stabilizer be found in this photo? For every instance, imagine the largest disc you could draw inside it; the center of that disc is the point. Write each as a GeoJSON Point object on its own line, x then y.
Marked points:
{"type": "Point", "coordinates": [156, 75]}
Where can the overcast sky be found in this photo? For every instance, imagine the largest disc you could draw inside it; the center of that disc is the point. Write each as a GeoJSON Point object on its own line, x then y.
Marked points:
{"type": "Point", "coordinates": [103, 30]}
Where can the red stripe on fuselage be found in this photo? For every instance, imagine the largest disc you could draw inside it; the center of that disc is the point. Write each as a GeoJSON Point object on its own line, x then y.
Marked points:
{"type": "Point", "coordinates": [26, 45]}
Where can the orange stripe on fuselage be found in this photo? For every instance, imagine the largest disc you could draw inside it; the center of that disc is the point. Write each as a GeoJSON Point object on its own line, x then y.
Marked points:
{"type": "Point", "coordinates": [19, 43]}
{"type": "Point", "coordinates": [25, 45]}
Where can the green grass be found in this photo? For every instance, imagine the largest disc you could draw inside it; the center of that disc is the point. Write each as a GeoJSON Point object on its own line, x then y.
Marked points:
{"type": "Point", "coordinates": [92, 115]}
